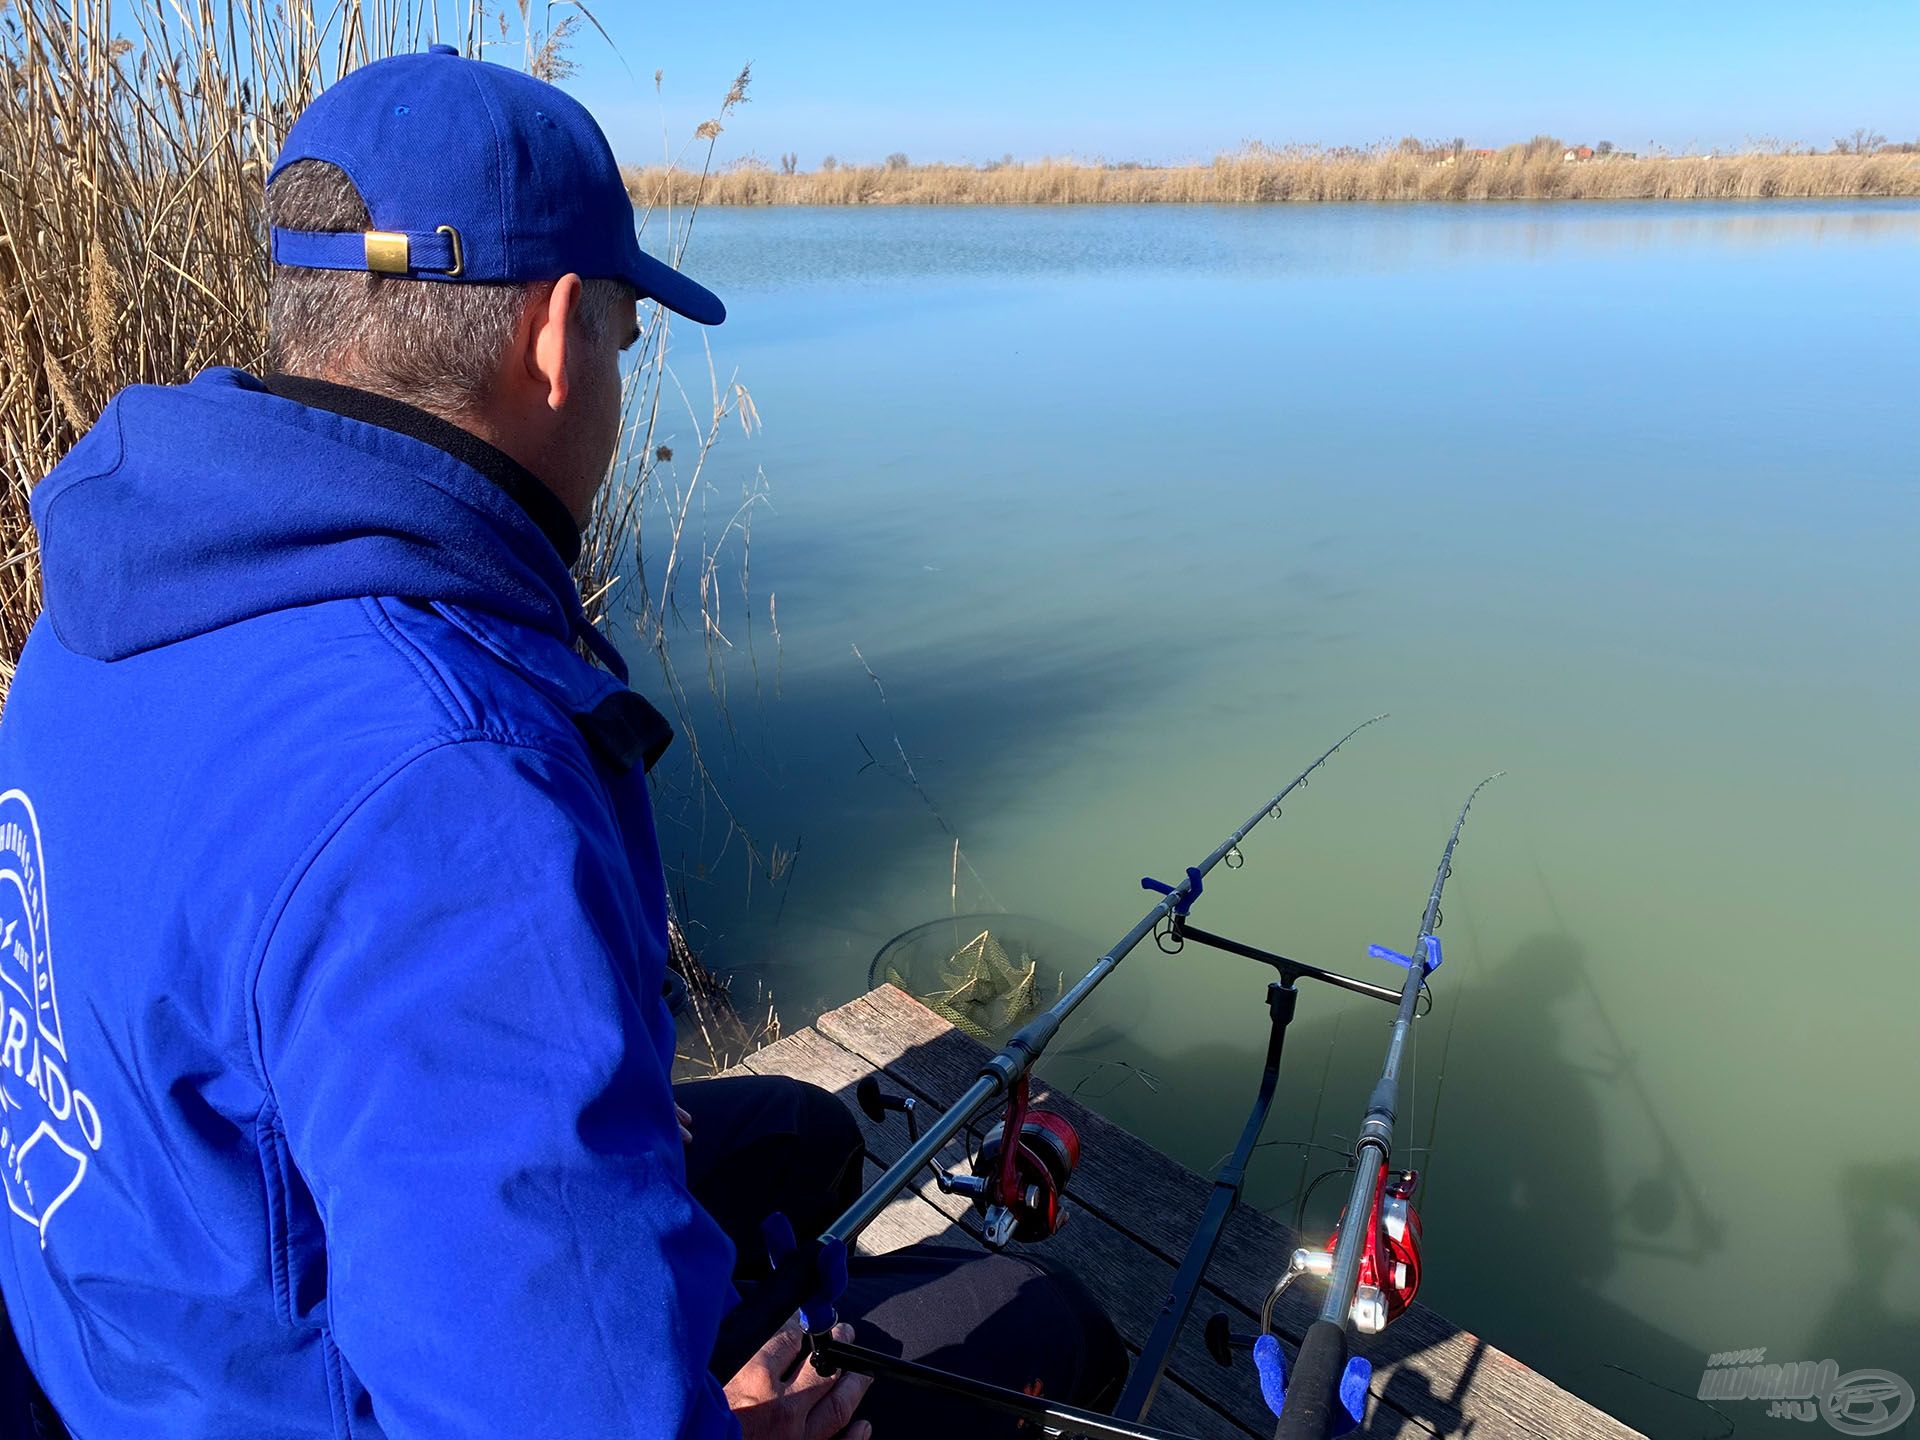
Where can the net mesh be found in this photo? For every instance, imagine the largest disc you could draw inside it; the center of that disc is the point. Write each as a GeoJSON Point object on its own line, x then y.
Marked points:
{"type": "Point", "coordinates": [980, 987]}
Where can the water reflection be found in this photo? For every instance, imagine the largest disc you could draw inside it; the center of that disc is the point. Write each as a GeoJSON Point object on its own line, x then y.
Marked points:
{"type": "Point", "coordinates": [753, 249]}
{"type": "Point", "coordinates": [1128, 509]}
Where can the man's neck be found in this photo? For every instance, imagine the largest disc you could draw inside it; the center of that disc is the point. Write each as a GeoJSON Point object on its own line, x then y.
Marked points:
{"type": "Point", "coordinates": [463, 443]}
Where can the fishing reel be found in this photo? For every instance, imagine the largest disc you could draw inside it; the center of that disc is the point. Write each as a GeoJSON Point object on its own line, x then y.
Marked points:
{"type": "Point", "coordinates": [1016, 1189]}
{"type": "Point", "coordinates": [1389, 1263]}
{"type": "Point", "coordinates": [1026, 1184]}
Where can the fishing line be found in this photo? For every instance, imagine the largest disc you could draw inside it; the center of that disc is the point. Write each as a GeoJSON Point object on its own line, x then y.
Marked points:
{"type": "Point", "coordinates": [1462, 984]}
{"type": "Point", "coordinates": [1136, 1072]}
{"type": "Point", "coordinates": [1300, 1210]}
{"type": "Point", "coordinates": [1305, 1144]}
{"type": "Point", "coordinates": [1319, 1097]}
{"type": "Point", "coordinates": [1721, 1415]}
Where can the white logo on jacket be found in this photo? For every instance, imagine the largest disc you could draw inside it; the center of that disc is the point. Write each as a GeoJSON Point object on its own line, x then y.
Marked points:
{"type": "Point", "coordinates": [47, 1127]}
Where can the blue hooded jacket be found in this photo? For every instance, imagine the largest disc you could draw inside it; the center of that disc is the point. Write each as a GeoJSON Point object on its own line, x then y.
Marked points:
{"type": "Point", "coordinates": [334, 1072]}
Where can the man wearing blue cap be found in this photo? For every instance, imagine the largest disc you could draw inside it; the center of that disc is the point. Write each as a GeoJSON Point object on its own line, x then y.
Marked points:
{"type": "Point", "coordinates": [334, 1066]}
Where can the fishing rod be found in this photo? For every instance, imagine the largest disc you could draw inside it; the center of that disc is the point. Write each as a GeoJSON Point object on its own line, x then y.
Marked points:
{"type": "Point", "coordinates": [1023, 1166]}
{"type": "Point", "coordinates": [1372, 1267]}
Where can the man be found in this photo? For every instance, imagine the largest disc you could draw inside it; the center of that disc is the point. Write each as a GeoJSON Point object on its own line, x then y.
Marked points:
{"type": "Point", "coordinates": [334, 1067]}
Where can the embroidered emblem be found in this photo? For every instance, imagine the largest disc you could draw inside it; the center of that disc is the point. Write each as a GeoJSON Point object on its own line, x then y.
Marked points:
{"type": "Point", "coordinates": [48, 1128]}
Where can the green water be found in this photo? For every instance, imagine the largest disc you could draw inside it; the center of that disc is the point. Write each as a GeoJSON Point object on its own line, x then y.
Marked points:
{"type": "Point", "coordinates": [1134, 511]}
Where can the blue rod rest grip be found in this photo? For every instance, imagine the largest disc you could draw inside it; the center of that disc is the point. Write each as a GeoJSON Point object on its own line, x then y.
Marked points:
{"type": "Point", "coordinates": [776, 1234]}
{"type": "Point", "coordinates": [1182, 903]}
{"type": "Point", "coordinates": [1272, 1366]}
{"type": "Point", "coordinates": [816, 1312]}
{"type": "Point", "coordinates": [1355, 1381]}
{"type": "Point", "coordinates": [1405, 962]}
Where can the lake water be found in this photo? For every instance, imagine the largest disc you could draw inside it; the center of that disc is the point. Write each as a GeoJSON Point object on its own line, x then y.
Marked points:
{"type": "Point", "coordinates": [1134, 511]}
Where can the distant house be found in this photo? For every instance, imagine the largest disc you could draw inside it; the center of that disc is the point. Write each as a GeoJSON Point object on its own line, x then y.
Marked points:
{"type": "Point", "coordinates": [1486, 153]}
{"type": "Point", "coordinates": [1578, 152]}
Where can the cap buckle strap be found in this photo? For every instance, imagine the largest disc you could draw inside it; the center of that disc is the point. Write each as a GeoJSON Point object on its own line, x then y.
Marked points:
{"type": "Point", "coordinates": [387, 252]}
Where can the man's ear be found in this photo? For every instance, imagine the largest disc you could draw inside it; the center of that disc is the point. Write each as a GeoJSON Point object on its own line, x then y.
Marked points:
{"type": "Point", "coordinates": [547, 350]}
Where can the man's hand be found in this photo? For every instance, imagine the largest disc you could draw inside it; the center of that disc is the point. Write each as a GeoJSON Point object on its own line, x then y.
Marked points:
{"type": "Point", "coordinates": [810, 1406]}
{"type": "Point", "coordinates": [686, 1126]}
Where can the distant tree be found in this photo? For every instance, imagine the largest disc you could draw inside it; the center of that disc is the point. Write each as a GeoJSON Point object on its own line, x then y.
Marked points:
{"type": "Point", "coordinates": [1409, 145]}
{"type": "Point", "coordinates": [789, 162]}
{"type": "Point", "coordinates": [897, 161]}
{"type": "Point", "coordinates": [1545, 145]}
{"type": "Point", "coordinates": [1862, 142]}
{"type": "Point", "coordinates": [1605, 147]}
{"type": "Point", "coordinates": [828, 165]}
{"type": "Point", "coordinates": [1458, 146]}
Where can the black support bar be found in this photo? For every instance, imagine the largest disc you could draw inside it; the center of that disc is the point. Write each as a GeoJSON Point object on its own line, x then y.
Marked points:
{"type": "Point", "coordinates": [1050, 1418]}
{"type": "Point", "coordinates": [1289, 969]}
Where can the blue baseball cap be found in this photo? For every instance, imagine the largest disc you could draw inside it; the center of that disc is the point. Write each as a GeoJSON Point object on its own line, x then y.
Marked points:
{"type": "Point", "coordinates": [472, 171]}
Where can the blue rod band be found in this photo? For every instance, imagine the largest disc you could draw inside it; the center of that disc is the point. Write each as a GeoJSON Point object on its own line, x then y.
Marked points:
{"type": "Point", "coordinates": [1182, 903]}
{"type": "Point", "coordinates": [1405, 962]}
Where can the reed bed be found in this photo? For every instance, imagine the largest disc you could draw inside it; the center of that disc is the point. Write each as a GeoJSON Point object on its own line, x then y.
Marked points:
{"type": "Point", "coordinates": [1260, 175]}
{"type": "Point", "coordinates": [135, 140]}
{"type": "Point", "coordinates": [134, 143]}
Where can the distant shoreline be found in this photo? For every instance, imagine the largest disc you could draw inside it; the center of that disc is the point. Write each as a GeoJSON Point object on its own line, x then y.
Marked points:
{"type": "Point", "coordinates": [1257, 176]}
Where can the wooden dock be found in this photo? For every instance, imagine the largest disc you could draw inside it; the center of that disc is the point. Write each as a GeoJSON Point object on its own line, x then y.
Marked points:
{"type": "Point", "coordinates": [1133, 1212]}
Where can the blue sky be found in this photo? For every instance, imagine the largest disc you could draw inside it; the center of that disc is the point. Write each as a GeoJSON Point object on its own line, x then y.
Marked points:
{"type": "Point", "coordinates": [1124, 80]}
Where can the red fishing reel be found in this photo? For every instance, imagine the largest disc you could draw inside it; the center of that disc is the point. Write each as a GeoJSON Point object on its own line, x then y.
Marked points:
{"type": "Point", "coordinates": [1023, 1183]}
{"type": "Point", "coordinates": [1018, 1188]}
{"type": "Point", "coordinates": [1390, 1263]}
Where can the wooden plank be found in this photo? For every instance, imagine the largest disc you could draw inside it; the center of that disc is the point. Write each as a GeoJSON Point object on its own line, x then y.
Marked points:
{"type": "Point", "coordinates": [806, 1055]}
{"type": "Point", "coordinates": [1176, 1407]}
{"type": "Point", "coordinates": [1126, 1279]}
{"type": "Point", "coordinates": [1123, 1179]}
{"type": "Point", "coordinates": [1434, 1371]}
{"type": "Point", "coordinates": [910, 1219]}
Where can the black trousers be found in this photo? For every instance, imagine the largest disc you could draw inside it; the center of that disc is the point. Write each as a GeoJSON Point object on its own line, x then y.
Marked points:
{"type": "Point", "coordinates": [763, 1143]}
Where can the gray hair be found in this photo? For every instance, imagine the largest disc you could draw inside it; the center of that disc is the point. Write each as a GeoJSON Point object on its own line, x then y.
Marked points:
{"type": "Point", "coordinates": [429, 343]}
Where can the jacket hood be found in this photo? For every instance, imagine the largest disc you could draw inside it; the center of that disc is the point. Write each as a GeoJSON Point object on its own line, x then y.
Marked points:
{"type": "Point", "coordinates": [190, 507]}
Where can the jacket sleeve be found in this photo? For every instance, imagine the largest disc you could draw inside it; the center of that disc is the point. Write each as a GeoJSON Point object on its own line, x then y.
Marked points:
{"type": "Point", "coordinates": [467, 1067]}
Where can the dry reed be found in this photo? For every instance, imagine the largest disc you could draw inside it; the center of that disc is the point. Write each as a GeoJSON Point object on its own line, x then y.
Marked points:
{"type": "Point", "coordinates": [131, 168]}
{"type": "Point", "coordinates": [132, 159]}
{"type": "Point", "coordinates": [131, 165]}
{"type": "Point", "coordinates": [1262, 175]}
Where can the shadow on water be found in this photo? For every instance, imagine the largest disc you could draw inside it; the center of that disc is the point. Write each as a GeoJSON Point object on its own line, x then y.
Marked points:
{"type": "Point", "coordinates": [1527, 1219]}
{"type": "Point", "coordinates": [1873, 1320]}
{"type": "Point", "coordinates": [873, 829]}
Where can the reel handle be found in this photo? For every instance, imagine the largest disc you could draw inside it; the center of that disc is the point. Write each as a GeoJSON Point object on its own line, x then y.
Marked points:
{"type": "Point", "coordinates": [876, 1103]}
